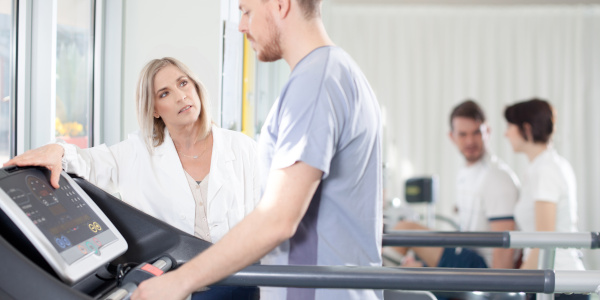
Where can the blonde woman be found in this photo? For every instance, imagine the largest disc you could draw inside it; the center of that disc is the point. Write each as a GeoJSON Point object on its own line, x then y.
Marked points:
{"type": "Point", "coordinates": [179, 167]}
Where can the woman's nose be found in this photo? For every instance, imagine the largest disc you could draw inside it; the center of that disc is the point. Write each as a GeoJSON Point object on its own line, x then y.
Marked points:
{"type": "Point", "coordinates": [181, 96]}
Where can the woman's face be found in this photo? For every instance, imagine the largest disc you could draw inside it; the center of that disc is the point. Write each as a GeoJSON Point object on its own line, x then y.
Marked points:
{"type": "Point", "coordinates": [515, 138]}
{"type": "Point", "coordinates": [176, 99]}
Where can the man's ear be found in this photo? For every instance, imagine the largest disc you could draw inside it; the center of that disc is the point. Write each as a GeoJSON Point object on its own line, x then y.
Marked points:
{"type": "Point", "coordinates": [284, 8]}
{"type": "Point", "coordinates": [451, 136]}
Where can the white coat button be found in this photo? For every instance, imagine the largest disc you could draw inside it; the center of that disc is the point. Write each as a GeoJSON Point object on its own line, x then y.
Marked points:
{"type": "Point", "coordinates": [182, 216]}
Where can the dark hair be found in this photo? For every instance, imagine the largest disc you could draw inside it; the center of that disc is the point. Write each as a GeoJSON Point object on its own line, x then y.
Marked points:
{"type": "Point", "coordinates": [535, 112]}
{"type": "Point", "coordinates": [467, 109]}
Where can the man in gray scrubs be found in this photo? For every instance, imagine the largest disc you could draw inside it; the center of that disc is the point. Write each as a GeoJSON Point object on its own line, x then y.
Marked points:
{"type": "Point", "coordinates": [320, 151]}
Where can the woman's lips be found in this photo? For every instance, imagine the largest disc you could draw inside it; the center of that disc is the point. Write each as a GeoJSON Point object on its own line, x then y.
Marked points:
{"type": "Point", "coordinates": [185, 108]}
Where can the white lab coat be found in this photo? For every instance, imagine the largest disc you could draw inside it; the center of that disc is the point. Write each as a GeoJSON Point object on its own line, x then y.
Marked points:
{"type": "Point", "coordinates": [156, 184]}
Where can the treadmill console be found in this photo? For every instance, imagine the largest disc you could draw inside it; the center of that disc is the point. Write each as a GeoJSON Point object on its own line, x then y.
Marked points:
{"type": "Point", "coordinates": [64, 225]}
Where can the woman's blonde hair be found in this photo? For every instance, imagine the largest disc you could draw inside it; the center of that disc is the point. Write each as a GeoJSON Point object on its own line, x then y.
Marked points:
{"type": "Point", "coordinates": [153, 129]}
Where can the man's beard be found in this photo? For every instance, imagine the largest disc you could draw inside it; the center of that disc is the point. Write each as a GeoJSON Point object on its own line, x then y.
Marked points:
{"type": "Point", "coordinates": [272, 50]}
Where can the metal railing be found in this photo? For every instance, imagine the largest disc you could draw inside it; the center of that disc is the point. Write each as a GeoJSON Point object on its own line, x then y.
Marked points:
{"type": "Point", "coordinates": [547, 242]}
{"type": "Point", "coordinates": [416, 279]}
{"type": "Point", "coordinates": [501, 239]}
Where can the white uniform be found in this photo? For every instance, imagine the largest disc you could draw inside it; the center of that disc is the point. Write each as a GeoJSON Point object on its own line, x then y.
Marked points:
{"type": "Point", "coordinates": [486, 191]}
{"type": "Point", "coordinates": [549, 177]}
{"type": "Point", "coordinates": [156, 184]}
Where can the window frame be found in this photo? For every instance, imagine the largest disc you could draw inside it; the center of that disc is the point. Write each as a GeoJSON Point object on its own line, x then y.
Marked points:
{"type": "Point", "coordinates": [32, 115]}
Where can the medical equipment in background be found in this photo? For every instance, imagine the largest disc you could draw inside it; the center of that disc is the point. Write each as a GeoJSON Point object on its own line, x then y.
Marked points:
{"type": "Point", "coordinates": [418, 191]}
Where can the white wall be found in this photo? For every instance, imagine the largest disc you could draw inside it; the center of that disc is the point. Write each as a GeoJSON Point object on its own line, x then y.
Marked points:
{"type": "Point", "coordinates": [188, 30]}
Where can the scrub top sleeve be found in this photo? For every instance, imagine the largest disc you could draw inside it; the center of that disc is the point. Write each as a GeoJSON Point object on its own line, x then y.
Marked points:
{"type": "Point", "coordinates": [306, 130]}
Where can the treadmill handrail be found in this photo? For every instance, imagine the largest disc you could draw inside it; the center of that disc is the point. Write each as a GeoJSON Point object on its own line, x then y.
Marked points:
{"type": "Point", "coordinates": [430, 279]}
{"type": "Point", "coordinates": [497, 239]}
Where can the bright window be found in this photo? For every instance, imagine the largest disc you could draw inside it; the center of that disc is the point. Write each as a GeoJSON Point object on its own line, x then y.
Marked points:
{"type": "Point", "coordinates": [74, 69]}
{"type": "Point", "coordinates": [6, 87]}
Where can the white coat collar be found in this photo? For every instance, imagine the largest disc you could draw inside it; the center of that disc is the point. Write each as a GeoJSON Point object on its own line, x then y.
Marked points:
{"type": "Point", "coordinates": [221, 161]}
{"type": "Point", "coordinates": [166, 160]}
{"type": "Point", "coordinates": [221, 166]}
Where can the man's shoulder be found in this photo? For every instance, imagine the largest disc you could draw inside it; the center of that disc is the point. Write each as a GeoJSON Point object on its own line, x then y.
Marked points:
{"type": "Point", "coordinates": [497, 172]}
{"type": "Point", "coordinates": [318, 75]}
{"type": "Point", "coordinates": [324, 61]}
{"type": "Point", "coordinates": [495, 165]}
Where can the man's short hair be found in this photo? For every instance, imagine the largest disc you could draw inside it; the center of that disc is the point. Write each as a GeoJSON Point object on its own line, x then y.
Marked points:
{"type": "Point", "coordinates": [467, 109]}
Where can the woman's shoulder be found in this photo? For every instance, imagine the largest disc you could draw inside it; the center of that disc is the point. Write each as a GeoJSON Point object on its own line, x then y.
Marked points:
{"type": "Point", "coordinates": [553, 168]}
{"type": "Point", "coordinates": [235, 143]}
{"type": "Point", "coordinates": [550, 160]}
{"type": "Point", "coordinates": [133, 142]}
{"type": "Point", "coordinates": [133, 138]}
{"type": "Point", "coordinates": [234, 137]}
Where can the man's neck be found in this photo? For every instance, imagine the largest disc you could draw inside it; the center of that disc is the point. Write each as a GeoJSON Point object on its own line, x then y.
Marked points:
{"type": "Point", "coordinates": [302, 40]}
{"type": "Point", "coordinates": [474, 162]}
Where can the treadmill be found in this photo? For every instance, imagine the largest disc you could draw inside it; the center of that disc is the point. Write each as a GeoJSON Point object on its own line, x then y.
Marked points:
{"type": "Point", "coordinates": [60, 242]}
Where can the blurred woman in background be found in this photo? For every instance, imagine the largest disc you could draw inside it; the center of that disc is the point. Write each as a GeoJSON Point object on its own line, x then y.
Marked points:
{"type": "Point", "coordinates": [548, 197]}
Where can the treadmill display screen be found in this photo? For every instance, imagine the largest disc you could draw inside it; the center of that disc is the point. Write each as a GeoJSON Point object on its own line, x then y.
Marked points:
{"type": "Point", "coordinates": [64, 218]}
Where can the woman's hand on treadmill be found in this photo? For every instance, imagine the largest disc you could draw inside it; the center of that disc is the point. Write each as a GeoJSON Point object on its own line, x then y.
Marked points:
{"type": "Point", "coordinates": [49, 156]}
